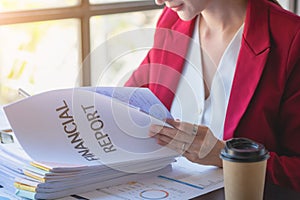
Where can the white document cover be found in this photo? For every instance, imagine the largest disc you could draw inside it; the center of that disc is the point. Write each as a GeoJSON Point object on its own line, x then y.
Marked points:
{"type": "Point", "coordinates": [88, 126]}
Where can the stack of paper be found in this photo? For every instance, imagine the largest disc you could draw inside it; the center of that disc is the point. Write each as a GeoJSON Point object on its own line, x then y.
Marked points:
{"type": "Point", "coordinates": [30, 179]}
{"type": "Point", "coordinates": [82, 139]}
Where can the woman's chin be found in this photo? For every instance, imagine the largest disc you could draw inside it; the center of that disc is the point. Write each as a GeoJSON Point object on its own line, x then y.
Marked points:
{"type": "Point", "coordinates": [185, 17]}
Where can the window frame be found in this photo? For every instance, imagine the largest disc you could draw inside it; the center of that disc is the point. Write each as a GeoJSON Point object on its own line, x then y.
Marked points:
{"type": "Point", "coordinates": [83, 12]}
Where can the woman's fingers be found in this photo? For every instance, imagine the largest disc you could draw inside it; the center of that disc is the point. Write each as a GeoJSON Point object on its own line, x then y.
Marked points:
{"type": "Point", "coordinates": [173, 138]}
{"type": "Point", "coordinates": [172, 143]}
{"type": "Point", "coordinates": [189, 128]}
{"type": "Point", "coordinates": [171, 134]}
{"type": "Point", "coordinates": [195, 142]}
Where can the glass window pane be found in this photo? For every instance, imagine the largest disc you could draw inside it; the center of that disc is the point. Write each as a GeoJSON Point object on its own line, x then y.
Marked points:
{"type": "Point", "coordinates": [17, 5]}
{"type": "Point", "coordinates": [129, 35]}
{"type": "Point", "coordinates": [38, 56]}
{"type": "Point", "coordinates": [286, 4]}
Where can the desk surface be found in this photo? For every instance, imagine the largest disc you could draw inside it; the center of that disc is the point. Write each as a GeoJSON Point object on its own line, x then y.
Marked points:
{"type": "Point", "coordinates": [272, 192]}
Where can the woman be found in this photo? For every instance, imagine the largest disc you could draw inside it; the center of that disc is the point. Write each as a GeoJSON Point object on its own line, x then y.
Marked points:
{"type": "Point", "coordinates": [249, 58]}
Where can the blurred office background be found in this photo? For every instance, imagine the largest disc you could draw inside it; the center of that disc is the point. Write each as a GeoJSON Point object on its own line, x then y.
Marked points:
{"type": "Point", "coordinates": [45, 45]}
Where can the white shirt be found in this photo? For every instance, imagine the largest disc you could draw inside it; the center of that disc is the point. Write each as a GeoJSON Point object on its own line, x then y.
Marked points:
{"type": "Point", "coordinates": [189, 103]}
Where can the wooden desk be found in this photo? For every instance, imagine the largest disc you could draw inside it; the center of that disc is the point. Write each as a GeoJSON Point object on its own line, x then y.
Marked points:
{"type": "Point", "coordinates": [272, 192]}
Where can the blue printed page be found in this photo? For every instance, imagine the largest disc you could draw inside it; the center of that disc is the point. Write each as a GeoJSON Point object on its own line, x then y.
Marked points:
{"type": "Point", "coordinates": [140, 98]}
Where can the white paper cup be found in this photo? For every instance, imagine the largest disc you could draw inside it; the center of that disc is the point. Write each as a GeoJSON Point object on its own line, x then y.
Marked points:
{"type": "Point", "coordinates": [244, 168]}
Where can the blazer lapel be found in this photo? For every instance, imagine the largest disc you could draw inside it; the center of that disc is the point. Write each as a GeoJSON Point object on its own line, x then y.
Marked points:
{"type": "Point", "coordinates": [251, 61]}
{"type": "Point", "coordinates": [174, 44]}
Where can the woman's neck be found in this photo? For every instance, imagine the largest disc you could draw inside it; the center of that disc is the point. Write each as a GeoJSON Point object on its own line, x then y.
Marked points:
{"type": "Point", "coordinates": [218, 24]}
{"type": "Point", "coordinates": [223, 15]}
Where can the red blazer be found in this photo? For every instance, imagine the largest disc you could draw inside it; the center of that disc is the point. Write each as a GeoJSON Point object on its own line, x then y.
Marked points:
{"type": "Point", "coordinates": [264, 103]}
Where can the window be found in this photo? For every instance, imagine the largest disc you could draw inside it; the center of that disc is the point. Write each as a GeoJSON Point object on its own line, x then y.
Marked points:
{"type": "Point", "coordinates": [32, 56]}
{"type": "Point", "coordinates": [292, 5]}
{"type": "Point", "coordinates": [123, 45]}
{"type": "Point", "coordinates": [47, 44]}
{"type": "Point", "coordinates": [17, 5]}
{"type": "Point", "coordinates": [43, 44]}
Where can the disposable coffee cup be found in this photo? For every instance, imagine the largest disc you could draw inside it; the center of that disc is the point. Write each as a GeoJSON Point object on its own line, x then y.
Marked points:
{"type": "Point", "coordinates": [244, 169]}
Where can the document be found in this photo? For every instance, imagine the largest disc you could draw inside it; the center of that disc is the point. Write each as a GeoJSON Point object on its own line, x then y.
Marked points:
{"type": "Point", "coordinates": [187, 180]}
{"type": "Point", "coordinates": [5, 136]}
{"type": "Point", "coordinates": [94, 142]}
{"type": "Point", "coordinates": [87, 126]}
{"type": "Point", "coordinates": [4, 195]}
{"type": "Point", "coordinates": [22, 177]}
{"type": "Point", "coordinates": [4, 124]}
{"type": "Point", "coordinates": [82, 139]}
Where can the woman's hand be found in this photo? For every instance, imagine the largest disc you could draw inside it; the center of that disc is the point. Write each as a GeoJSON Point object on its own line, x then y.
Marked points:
{"type": "Point", "coordinates": [196, 143]}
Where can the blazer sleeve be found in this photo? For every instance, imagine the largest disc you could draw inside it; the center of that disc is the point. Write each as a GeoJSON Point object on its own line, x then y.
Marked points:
{"type": "Point", "coordinates": [283, 169]}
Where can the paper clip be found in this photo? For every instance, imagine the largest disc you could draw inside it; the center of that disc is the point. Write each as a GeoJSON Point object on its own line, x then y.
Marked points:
{"type": "Point", "coordinates": [23, 93]}
{"type": "Point", "coordinates": [5, 137]}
